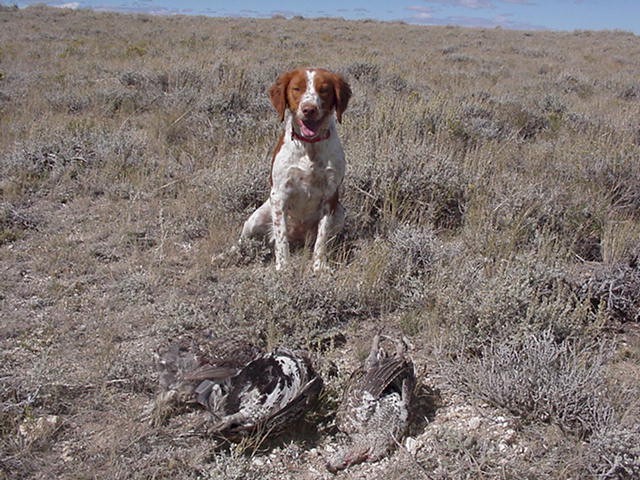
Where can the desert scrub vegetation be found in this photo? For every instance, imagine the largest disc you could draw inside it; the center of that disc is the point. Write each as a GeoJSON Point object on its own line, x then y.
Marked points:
{"type": "Point", "coordinates": [492, 197]}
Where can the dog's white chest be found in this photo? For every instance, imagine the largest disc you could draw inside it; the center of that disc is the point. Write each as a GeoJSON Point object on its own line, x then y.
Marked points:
{"type": "Point", "coordinates": [300, 178]}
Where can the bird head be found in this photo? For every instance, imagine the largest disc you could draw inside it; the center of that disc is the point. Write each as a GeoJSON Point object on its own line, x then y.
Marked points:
{"type": "Point", "coordinates": [347, 457]}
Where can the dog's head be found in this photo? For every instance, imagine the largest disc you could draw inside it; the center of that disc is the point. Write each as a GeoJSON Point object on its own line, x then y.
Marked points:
{"type": "Point", "coordinates": [311, 95]}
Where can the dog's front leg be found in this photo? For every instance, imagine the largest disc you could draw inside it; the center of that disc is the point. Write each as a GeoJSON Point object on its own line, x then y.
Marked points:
{"type": "Point", "coordinates": [320, 247]}
{"type": "Point", "coordinates": [330, 224]}
{"type": "Point", "coordinates": [279, 221]}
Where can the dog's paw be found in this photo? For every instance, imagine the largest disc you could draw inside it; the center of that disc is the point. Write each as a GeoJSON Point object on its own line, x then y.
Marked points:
{"type": "Point", "coordinates": [227, 258]}
{"type": "Point", "coordinates": [321, 266]}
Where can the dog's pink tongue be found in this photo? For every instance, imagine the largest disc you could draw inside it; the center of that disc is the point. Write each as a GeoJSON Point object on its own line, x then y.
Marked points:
{"type": "Point", "coordinates": [305, 130]}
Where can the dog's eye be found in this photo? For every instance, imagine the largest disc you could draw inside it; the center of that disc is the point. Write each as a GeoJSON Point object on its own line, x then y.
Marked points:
{"type": "Point", "coordinates": [296, 89]}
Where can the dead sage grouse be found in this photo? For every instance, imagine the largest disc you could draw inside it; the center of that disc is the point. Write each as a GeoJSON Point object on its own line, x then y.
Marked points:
{"type": "Point", "coordinates": [264, 394]}
{"type": "Point", "coordinates": [375, 408]}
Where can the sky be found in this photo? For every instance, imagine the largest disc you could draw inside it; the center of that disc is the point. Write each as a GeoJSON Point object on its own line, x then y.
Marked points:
{"type": "Point", "coordinates": [566, 15]}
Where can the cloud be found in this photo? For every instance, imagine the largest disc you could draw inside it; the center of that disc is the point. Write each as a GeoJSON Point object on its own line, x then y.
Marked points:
{"type": "Point", "coordinates": [474, 4]}
{"type": "Point", "coordinates": [70, 5]}
{"type": "Point", "coordinates": [438, 12]}
{"type": "Point", "coordinates": [503, 21]}
{"type": "Point", "coordinates": [356, 11]}
{"type": "Point", "coordinates": [421, 13]}
{"type": "Point", "coordinates": [479, 4]}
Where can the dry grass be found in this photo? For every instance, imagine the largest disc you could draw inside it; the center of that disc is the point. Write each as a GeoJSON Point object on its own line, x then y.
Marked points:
{"type": "Point", "coordinates": [493, 217]}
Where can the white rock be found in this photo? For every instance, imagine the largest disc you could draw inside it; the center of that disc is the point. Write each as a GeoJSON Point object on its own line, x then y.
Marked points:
{"type": "Point", "coordinates": [67, 453]}
{"type": "Point", "coordinates": [412, 445]}
{"type": "Point", "coordinates": [474, 423]}
{"type": "Point", "coordinates": [510, 435]}
{"type": "Point", "coordinates": [34, 429]}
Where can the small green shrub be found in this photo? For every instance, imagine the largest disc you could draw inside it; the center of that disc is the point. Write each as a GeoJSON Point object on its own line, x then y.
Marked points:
{"type": "Point", "coordinates": [364, 72]}
{"type": "Point", "coordinates": [245, 186]}
{"type": "Point", "coordinates": [614, 452]}
{"type": "Point", "coordinates": [412, 185]}
{"type": "Point", "coordinates": [613, 287]}
{"type": "Point", "coordinates": [539, 379]}
{"type": "Point", "coordinates": [136, 50]}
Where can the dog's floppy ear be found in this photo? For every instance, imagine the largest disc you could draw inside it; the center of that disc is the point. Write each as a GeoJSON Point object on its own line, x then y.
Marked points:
{"type": "Point", "coordinates": [342, 91]}
{"type": "Point", "coordinates": [278, 93]}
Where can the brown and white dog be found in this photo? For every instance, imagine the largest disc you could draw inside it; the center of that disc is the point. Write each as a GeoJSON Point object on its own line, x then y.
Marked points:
{"type": "Point", "coordinates": [307, 167]}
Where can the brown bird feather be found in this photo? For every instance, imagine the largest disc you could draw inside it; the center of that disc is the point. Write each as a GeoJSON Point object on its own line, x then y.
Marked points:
{"type": "Point", "coordinates": [186, 363]}
{"type": "Point", "coordinates": [245, 389]}
{"type": "Point", "coordinates": [375, 407]}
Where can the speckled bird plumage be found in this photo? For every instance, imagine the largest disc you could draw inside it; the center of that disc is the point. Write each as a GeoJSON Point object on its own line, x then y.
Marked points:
{"type": "Point", "coordinates": [186, 363]}
{"type": "Point", "coordinates": [269, 393]}
{"type": "Point", "coordinates": [375, 407]}
{"type": "Point", "coordinates": [245, 389]}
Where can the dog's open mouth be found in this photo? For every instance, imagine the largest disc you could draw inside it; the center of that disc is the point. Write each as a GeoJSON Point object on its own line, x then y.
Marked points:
{"type": "Point", "coordinates": [308, 128]}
